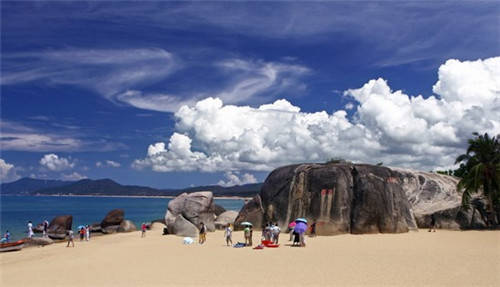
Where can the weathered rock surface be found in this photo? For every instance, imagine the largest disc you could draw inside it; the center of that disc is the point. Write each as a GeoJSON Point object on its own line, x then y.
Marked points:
{"type": "Point", "coordinates": [183, 227]}
{"type": "Point", "coordinates": [126, 226]}
{"type": "Point", "coordinates": [360, 198]}
{"type": "Point", "coordinates": [155, 226]}
{"type": "Point", "coordinates": [225, 218]}
{"type": "Point", "coordinates": [59, 225]}
{"type": "Point", "coordinates": [432, 193]}
{"type": "Point", "coordinates": [114, 217]}
{"type": "Point", "coordinates": [38, 241]}
{"type": "Point", "coordinates": [110, 229]}
{"type": "Point", "coordinates": [195, 207]}
{"type": "Point", "coordinates": [253, 212]}
{"type": "Point", "coordinates": [218, 210]}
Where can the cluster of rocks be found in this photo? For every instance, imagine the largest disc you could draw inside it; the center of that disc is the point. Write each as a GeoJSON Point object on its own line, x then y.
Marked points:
{"type": "Point", "coordinates": [185, 213]}
{"type": "Point", "coordinates": [113, 222]}
{"type": "Point", "coordinates": [360, 198]}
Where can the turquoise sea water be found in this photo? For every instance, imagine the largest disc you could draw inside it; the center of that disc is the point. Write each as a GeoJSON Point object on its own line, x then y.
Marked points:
{"type": "Point", "coordinates": [16, 211]}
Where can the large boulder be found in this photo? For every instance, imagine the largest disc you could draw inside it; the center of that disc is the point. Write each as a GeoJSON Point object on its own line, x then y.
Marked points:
{"type": "Point", "coordinates": [114, 217]}
{"type": "Point", "coordinates": [59, 225]}
{"type": "Point", "coordinates": [252, 211]}
{"type": "Point", "coordinates": [195, 207]}
{"type": "Point", "coordinates": [436, 194]}
{"type": "Point", "coordinates": [38, 241]}
{"type": "Point", "coordinates": [183, 227]}
{"type": "Point", "coordinates": [126, 226]}
{"type": "Point", "coordinates": [342, 198]}
{"type": "Point", "coordinates": [225, 218]}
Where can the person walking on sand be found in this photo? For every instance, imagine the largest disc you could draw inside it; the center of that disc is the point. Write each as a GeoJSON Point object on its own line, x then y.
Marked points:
{"type": "Point", "coordinates": [203, 233]}
{"type": "Point", "coordinates": [30, 229]}
{"type": "Point", "coordinates": [82, 233]}
{"type": "Point", "coordinates": [228, 234]}
{"type": "Point", "coordinates": [276, 233]}
{"type": "Point", "coordinates": [433, 223]}
{"type": "Point", "coordinates": [143, 229]}
{"type": "Point", "coordinates": [70, 238]}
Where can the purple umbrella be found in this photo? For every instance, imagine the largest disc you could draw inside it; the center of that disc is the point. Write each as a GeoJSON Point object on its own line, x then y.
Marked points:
{"type": "Point", "coordinates": [300, 227]}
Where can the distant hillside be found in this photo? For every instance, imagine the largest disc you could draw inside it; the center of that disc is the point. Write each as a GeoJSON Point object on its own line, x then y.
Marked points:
{"type": "Point", "coordinates": [108, 187]}
{"type": "Point", "coordinates": [100, 187]}
{"type": "Point", "coordinates": [26, 185]}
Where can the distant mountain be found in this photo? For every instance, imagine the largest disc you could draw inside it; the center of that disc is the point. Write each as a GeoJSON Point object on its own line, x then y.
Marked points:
{"type": "Point", "coordinates": [100, 187]}
{"type": "Point", "coordinates": [108, 187]}
{"type": "Point", "coordinates": [26, 186]}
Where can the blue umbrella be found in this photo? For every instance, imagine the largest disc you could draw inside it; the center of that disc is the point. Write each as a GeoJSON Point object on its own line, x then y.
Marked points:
{"type": "Point", "coordinates": [301, 220]}
{"type": "Point", "coordinates": [81, 226]}
{"type": "Point", "coordinates": [300, 227]}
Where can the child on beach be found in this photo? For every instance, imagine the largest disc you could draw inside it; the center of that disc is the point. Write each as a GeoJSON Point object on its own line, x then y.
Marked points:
{"type": "Point", "coordinates": [203, 233]}
{"type": "Point", "coordinates": [228, 234]}
{"type": "Point", "coordinates": [6, 237]}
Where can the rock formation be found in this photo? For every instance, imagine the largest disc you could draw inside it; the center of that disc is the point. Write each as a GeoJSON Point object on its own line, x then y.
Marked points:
{"type": "Point", "coordinates": [185, 212]}
{"type": "Point", "coordinates": [59, 225]}
{"type": "Point", "coordinates": [358, 198]}
{"type": "Point", "coordinates": [225, 218]}
{"type": "Point", "coordinates": [38, 241]}
{"type": "Point", "coordinates": [126, 226]}
{"type": "Point", "coordinates": [114, 217]}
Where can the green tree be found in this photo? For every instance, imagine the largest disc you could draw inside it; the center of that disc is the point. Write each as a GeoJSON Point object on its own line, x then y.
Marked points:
{"type": "Point", "coordinates": [481, 171]}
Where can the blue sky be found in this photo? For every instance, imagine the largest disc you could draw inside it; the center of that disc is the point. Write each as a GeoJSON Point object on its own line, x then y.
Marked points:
{"type": "Point", "coordinates": [176, 94]}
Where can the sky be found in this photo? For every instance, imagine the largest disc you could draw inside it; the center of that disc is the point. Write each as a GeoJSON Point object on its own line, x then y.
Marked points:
{"type": "Point", "coordinates": [178, 94]}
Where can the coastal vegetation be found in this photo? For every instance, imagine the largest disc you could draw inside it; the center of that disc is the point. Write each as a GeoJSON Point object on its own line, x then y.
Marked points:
{"type": "Point", "coordinates": [480, 168]}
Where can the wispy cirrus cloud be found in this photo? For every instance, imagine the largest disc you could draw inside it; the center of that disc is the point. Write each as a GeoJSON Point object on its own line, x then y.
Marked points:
{"type": "Point", "coordinates": [20, 137]}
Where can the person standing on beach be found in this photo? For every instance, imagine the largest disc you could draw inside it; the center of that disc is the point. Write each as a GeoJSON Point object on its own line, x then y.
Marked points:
{"type": "Point", "coordinates": [228, 234]}
{"type": "Point", "coordinates": [87, 233]}
{"type": "Point", "coordinates": [250, 237]}
{"type": "Point", "coordinates": [276, 233]}
{"type": "Point", "coordinates": [143, 229]}
{"type": "Point", "coordinates": [30, 229]}
{"type": "Point", "coordinates": [246, 234]}
{"type": "Point", "coordinates": [45, 227]}
{"type": "Point", "coordinates": [433, 223]}
{"type": "Point", "coordinates": [70, 238]}
{"type": "Point", "coordinates": [313, 229]}
{"type": "Point", "coordinates": [203, 233]}
{"type": "Point", "coordinates": [82, 233]}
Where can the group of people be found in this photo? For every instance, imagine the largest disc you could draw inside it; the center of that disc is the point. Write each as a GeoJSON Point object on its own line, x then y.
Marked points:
{"type": "Point", "coordinates": [271, 232]}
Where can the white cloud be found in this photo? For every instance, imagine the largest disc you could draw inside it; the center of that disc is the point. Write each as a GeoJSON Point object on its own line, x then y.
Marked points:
{"type": "Point", "coordinates": [234, 178]}
{"type": "Point", "coordinates": [75, 176]}
{"type": "Point", "coordinates": [53, 163]}
{"type": "Point", "coordinates": [107, 163]}
{"type": "Point", "coordinates": [7, 172]}
{"type": "Point", "coordinates": [388, 126]}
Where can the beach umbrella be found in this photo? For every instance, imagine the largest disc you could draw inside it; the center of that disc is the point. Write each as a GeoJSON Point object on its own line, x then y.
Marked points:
{"type": "Point", "coordinates": [292, 224]}
{"type": "Point", "coordinates": [300, 227]}
{"type": "Point", "coordinates": [301, 220]}
{"type": "Point", "coordinates": [246, 223]}
{"type": "Point", "coordinates": [81, 226]}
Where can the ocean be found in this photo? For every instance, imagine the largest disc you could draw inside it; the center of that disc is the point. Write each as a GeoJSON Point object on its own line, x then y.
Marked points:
{"type": "Point", "coordinates": [16, 211]}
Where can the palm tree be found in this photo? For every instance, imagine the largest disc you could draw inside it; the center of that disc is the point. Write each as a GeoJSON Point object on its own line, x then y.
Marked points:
{"type": "Point", "coordinates": [481, 171]}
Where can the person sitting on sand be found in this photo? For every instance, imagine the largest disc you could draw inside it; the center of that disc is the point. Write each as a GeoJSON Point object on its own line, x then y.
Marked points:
{"type": "Point", "coordinates": [203, 233]}
{"type": "Point", "coordinates": [228, 234]}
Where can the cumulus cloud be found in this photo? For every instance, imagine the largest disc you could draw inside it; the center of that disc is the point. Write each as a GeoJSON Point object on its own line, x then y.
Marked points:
{"type": "Point", "coordinates": [388, 126]}
{"type": "Point", "coordinates": [234, 178]}
{"type": "Point", "coordinates": [7, 172]}
{"type": "Point", "coordinates": [75, 176]}
{"type": "Point", "coordinates": [53, 162]}
{"type": "Point", "coordinates": [107, 163]}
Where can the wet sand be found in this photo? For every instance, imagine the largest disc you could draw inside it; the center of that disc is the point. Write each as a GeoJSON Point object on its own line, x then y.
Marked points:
{"type": "Point", "coordinates": [443, 258]}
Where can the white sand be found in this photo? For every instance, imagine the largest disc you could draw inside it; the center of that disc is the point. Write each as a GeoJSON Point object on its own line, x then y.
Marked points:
{"type": "Point", "coordinates": [444, 258]}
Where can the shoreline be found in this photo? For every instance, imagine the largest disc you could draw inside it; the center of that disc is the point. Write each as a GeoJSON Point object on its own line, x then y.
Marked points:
{"type": "Point", "coordinates": [442, 258]}
{"type": "Point", "coordinates": [122, 196]}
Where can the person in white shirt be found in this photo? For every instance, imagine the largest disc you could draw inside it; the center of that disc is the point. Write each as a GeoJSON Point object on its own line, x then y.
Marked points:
{"type": "Point", "coordinates": [228, 234]}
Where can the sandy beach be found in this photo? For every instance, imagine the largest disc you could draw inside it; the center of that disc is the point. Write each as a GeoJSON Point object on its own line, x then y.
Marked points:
{"type": "Point", "coordinates": [443, 258]}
